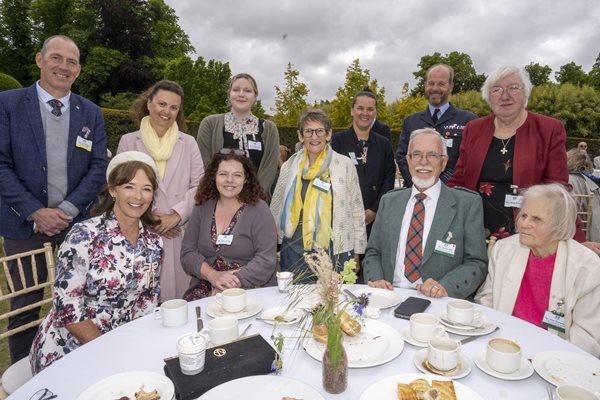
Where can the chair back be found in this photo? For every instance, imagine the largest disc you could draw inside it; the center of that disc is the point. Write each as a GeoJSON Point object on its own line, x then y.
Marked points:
{"type": "Point", "coordinates": [16, 288]}
{"type": "Point", "coordinates": [584, 204]}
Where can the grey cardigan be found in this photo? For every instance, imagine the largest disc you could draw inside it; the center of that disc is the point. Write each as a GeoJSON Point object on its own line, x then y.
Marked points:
{"type": "Point", "coordinates": [210, 141]}
{"type": "Point", "coordinates": [254, 244]}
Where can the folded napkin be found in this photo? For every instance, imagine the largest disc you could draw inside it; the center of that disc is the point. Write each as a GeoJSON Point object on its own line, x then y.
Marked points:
{"type": "Point", "coordinates": [245, 357]}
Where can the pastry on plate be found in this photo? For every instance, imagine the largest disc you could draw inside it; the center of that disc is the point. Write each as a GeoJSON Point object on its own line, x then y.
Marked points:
{"type": "Point", "coordinates": [445, 389]}
{"type": "Point", "coordinates": [405, 392]}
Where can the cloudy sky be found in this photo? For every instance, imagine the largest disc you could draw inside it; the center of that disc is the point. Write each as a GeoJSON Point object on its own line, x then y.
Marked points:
{"type": "Point", "coordinates": [322, 37]}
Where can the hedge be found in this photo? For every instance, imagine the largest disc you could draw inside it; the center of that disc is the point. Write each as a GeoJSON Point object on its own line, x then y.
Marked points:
{"type": "Point", "coordinates": [7, 82]}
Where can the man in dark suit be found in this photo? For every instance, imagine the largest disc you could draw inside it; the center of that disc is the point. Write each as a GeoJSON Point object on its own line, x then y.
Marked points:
{"type": "Point", "coordinates": [429, 237]}
{"type": "Point", "coordinates": [440, 115]}
{"type": "Point", "coordinates": [52, 166]}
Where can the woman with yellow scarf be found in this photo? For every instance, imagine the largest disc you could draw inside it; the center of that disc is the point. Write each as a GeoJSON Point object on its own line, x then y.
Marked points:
{"type": "Point", "coordinates": [159, 112]}
{"type": "Point", "coordinates": [317, 201]}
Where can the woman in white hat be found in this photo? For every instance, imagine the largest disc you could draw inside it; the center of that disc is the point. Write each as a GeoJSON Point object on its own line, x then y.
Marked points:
{"type": "Point", "coordinates": [108, 266]}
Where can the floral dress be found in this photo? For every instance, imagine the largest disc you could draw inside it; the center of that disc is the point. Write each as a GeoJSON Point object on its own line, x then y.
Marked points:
{"type": "Point", "coordinates": [245, 135]}
{"type": "Point", "coordinates": [102, 277]}
{"type": "Point", "coordinates": [494, 184]}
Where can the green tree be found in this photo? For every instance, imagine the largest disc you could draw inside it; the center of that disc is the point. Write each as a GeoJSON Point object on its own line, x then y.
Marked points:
{"type": "Point", "coordinates": [169, 41]}
{"type": "Point", "coordinates": [571, 73]}
{"type": "Point", "coordinates": [357, 79]}
{"type": "Point", "coordinates": [538, 74]}
{"type": "Point", "coordinates": [594, 74]}
{"type": "Point", "coordinates": [259, 111]}
{"type": "Point", "coordinates": [291, 100]}
{"type": "Point", "coordinates": [465, 76]}
{"type": "Point", "coordinates": [404, 106]}
{"type": "Point", "coordinates": [8, 82]}
{"type": "Point", "coordinates": [50, 17]}
{"type": "Point", "coordinates": [471, 101]}
{"type": "Point", "coordinates": [100, 64]}
{"type": "Point", "coordinates": [17, 48]}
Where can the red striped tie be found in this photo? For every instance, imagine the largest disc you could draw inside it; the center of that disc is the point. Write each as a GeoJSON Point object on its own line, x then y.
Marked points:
{"type": "Point", "coordinates": [414, 240]}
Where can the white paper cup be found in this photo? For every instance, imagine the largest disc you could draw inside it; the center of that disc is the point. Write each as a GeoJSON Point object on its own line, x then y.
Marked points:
{"type": "Point", "coordinates": [574, 392]}
{"type": "Point", "coordinates": [284, 280]}
{"type": "Point", "coordinates": [172, 312]}
{"type": "Point", "coordinates": [503, 355]}
{"type": "Point", "coordinates": [462, 311]}
{"type": "Point", "coordinates": [222, 330]}
{"type": "Point", "coordinates": [424, 327]}
{"type": "Point", "coordinates": [192, 353]}
{"type": "Point", "coordinates": [232, 300]}
{"type": "Point", "coordinates": [443, 353]}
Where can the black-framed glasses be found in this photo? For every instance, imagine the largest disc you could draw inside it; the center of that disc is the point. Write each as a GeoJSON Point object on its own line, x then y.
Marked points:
{"type": "Point", "coordinates": [511, 89]}
{"type": "Point", "coordinates": [309, 132]}
{"type": "Point", "coordinates": [43, 394]}
{"type": "Point", "coordinates": [237, 152]}
{"type": "Point", "coordinates": [429, 156]}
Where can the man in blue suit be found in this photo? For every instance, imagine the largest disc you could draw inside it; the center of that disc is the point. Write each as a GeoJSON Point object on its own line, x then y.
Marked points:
{"type": "Point", "coordinates": [428, 237]}
{"type": "Point", "coordinates": [440, 115]}
{"type": "Point", "coordinates": [52, 166]}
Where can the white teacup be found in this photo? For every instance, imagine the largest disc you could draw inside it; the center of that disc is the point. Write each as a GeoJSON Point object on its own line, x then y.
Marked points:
{"type": "Point", "coordinates": [222, 330]}
{"type": "Point", "coordinates": [443, 353]}
{"type": "Point", "coordinates": [172, 312]}
{"type": "Point", "coordinates": [284, 280]}
{"type": "Point", "coordinates": [192, 353]}
{"type": "Point", "coordinates": [503, 355]}
{"type": "Point", "coordinates": [424, 327]}
{"type": "Point", "coordinates": [574, 392]}
{"type": "Point", "coordinates": [462, 312]}
{"type": "Point", "coordinates": [232, 300]}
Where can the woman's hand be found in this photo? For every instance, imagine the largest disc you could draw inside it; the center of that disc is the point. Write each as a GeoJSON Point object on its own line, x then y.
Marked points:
{"type": "Point", "coordinates": [168, 221]}
{"type": "Point", "coordinates": [432, 288]}
{"type": "Point", "coordinates": [221, 280]}
{"type": "Point", "coordinates": [172, 233]}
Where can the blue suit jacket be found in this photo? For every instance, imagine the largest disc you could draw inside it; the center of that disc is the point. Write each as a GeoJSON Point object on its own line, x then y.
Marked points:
{"type": "Point", "coordinates": [450, 125]}
{"type": "Point", "coordinates": [23, 164]}
{"type": "Point", "coordinates": [459, 211]}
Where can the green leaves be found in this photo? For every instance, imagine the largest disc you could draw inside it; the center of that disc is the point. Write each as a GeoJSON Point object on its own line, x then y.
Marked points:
{"type": "Point", "coordinates": [291, 100]}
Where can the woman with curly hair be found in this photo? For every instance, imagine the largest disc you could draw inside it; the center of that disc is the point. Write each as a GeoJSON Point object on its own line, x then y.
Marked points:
{"type": "Point", "coordinates": [230, 241]}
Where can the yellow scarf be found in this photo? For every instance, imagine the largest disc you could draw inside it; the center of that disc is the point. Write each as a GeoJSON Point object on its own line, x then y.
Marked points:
{"type": "Point", "coordinates": [160, 148]}
{"type": "Point", "coordinates": [316, 218]}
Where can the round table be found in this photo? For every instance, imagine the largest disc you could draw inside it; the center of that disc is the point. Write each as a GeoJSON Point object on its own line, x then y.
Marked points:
{"type": "Point", "coordinates": [144, 343]}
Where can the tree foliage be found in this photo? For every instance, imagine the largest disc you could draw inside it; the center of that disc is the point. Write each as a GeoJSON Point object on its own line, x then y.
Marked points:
{"type": "Point", "coordinates": [405, 106]}
{"type": "Point", "coordinates": [538, 74]}
{"type": "Point", "coordinates": [17, 47]}
{"type": "Point", "coordinates": [291, 100]}
{"type": "Point", "coordinates": [465, 76]}
{"type": "Point", "coordinates": [594, 74]}
{"type": "Point", "coordinates": [8, 82]}
{"type": "Point", "coordinates": [357, 79]}
{"type": "Point", "coordinates": [100, 64]}
{"type": "Point", "coordinates": [471, 101]}
{"type": "Point", "coordinates": [571, 73]}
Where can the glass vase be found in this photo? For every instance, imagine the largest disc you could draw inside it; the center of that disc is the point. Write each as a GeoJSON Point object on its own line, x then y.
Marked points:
{"type": "Point", "coordinates": [335, 380]}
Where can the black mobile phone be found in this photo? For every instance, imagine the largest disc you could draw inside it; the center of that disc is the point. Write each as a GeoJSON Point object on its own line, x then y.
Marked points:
{"type": "Point", "coordinates": [411, 306]}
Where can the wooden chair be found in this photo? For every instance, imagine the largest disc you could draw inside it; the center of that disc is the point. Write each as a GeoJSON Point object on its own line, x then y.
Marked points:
{"type": "Point", "coordinates": [19, 373]}
{"type": "Point", "coordinates": [584, 203]}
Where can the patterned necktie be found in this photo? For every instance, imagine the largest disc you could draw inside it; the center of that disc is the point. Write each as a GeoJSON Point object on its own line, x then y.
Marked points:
{"type": "Point", "coordinates": [435, 115]}
{"type": "Point", "coordinates": [56, 106]}
{"type": "Point", "coordinates": [414, 240]}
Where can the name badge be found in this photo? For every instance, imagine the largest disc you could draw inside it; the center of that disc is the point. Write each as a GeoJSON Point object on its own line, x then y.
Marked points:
{"type": "Point", "coordinates": [225, 239]}
{"type": "Point", "coordinates": [83, 143]}
{"type": "Point", "coordinates": [252, 145]}
{"type": "Point", "coordinates": [554, 320]}
{"type": "Point", "coordinates": [321, 185]}
{"type": "Point", "coordinates": [444, 248]}
{"type": "Point", "coordinates": [448, 142]}
{"type": "Point", "coordinates": [353, 157]}
{"type": "Point", "coordinates": [512, 200]}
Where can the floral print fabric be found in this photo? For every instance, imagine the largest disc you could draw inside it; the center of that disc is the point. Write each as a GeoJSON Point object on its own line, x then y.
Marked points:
{"type": "Point", "coordinates": [102, 277]}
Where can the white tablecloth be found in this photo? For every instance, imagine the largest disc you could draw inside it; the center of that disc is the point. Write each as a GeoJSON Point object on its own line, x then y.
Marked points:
{"type": "Point", "coordinates": [144, 343]}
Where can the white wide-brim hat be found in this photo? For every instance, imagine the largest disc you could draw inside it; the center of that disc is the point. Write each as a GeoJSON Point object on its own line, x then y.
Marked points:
{"type": "Point", "coordinates": [130, 156]}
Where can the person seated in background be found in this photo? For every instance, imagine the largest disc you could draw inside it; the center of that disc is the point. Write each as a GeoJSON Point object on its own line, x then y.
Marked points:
{"type": "Point", "coordinates": [584, 183]}
{"type": "Point", "coordinates": [428, 237]}
{"type": "Point", "coordinates": [108, 267]}
{"type": "Point", "coordinates": [542, 275]}
{"type": "Point", "coordinates": [230, 240]}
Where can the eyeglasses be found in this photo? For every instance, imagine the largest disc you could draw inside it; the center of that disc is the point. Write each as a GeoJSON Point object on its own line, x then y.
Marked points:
{"type": "Point", "coordinates": [429, 156]}
{"type": "Point", "coordinates": [237, 152]}
{"type": "Point", "coordinates": [43, 394]}
{"type": "Point", "coordinates": [308, 132]}
{"type": "Point", "coordinates": [511, 89]}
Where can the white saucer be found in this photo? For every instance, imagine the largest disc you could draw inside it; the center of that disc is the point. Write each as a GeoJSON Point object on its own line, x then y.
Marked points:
{"type": "Point", "coordinates": [409, 339]}
{"type": "Point", "coordinates": [487, 326]}
{"type": "Point", "coordinates": [463, 369]}
{"type": "Point", "coordinates": [292, 315]}
{"type": "Point", "coordinates": [253, 307]}
{"type": "Point", "coordinates": [380, 298]}
{"type": "Point", "coordinates": [525, 371]}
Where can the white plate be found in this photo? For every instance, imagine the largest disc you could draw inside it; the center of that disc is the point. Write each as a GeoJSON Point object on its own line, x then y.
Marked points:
{"type": "Point", "coordinates": [563, 367]}
{"type": "Point", "coordinates": [387, 388]}
{"type": "Point", "coordinates": [262, 387]}
{"type": "Point", "coordinates": [525, 371]}
{"type": "Point", "coordinates": [380, 298]}
{"type": "Point", "coordinates": [408, 338]}
{"type": "Point", "coordinates": [127, 383]}
{"type": "Point", "coordinates": [487, 327]}
{"type": "Point", "coordinates": [376, 344]}
{"type": "Point", "coordinates": [253, 307]}
{"type": "Point", "coordinates": [444, 320]}
{"type": "Point", "coordinates": [463, 369]}
{"type": "Point", "coordinates": [292, 315]}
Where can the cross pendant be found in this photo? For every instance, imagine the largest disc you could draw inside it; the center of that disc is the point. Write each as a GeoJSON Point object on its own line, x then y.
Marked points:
{"type": "Point", "coordinates": [504, 151]}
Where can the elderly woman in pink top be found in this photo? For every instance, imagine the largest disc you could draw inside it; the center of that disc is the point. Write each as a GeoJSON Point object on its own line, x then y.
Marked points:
{"type": "Point", "coordinates": [543, 276]}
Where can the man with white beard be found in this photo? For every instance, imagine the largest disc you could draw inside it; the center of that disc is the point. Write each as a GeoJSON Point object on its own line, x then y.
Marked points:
{"type": "Point", "coordinates": [429, 237]}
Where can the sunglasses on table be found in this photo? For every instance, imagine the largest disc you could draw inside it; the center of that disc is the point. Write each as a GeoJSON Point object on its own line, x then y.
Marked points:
{"type": "Point", "coordinates": [43, 394]}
